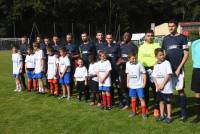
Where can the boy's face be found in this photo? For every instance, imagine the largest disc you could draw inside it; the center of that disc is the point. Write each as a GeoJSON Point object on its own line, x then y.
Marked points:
{"type": "Point", "coordinates": [38, 39]}
{"type": "Point", "coordinates": [62, 53]}
{"type": "Point", "coordinates": [69, 38]}
{"type": "Point", "coordinates": [23, 40]}
{"type": "Point", "coordinates": [80, 63]}
{"type": "Point", "coordinates": [102, 57]}
{"type": "Point", "coordinates": [29, 51]}
{"type": "Point", "coordinates": [172, 28]}
{"type": "Point", "coordinates": [133, 59]}
{"type": "Point", "coordinates": [84, 37]}
{"type": "Point", "coordinates": [14, 50]}
{"type": "Point", "coordinates": [109, 39]}
{"type": "Point", "coordinates": [126, 37]}
{"type": "Point", "coordinates": [49, 52]}
{"type": "Point", "coordinates": [160, 56]}
{"type": "Point", "coordinates": [99, 36]}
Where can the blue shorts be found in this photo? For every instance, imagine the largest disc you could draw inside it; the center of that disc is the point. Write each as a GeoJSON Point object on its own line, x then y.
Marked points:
{"type": "Point", "coordinates": [30, 74]}
{"type": "Point", "coordinates": [16, 75]}
{"type": "Point", "coordinates": [66, 79]}
{"type": "Point", "coordinates": [104, 88]}
{"type": "Point", "coordinates": [38, 75]}
{"type": "Point", "coordinates": [136, 92]}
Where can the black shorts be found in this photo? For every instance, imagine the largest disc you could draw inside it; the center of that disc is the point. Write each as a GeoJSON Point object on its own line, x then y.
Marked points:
{"type": "Point", "coordinates": [195, 85]}
{"type": "Point", "coordinates": [93, 86]}
{"type": "Point", "coordinates": [166, 98]}
{"type": "Point", "coordinates": [80, 86]}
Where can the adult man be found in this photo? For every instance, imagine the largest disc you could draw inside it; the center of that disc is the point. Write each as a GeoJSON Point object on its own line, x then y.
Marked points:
{"type": "Point", "coordinates": [177, 53]}
{"type": "Point", "coordinates": [100, 44]}
{"type": "Point", "coordinates": [147, 57]}
{"type": "Point", "coordinates": [126, 48]}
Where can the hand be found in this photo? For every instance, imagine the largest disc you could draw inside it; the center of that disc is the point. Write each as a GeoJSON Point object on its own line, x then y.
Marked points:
{"type": "Point", "coordinates": [177, 72]}
{"type": "Point", "coordinates": [127, 85]}
{"type": "Point", "coordinates": [162, 86]}
{"type": "Point", "coordinates": [85, 83]}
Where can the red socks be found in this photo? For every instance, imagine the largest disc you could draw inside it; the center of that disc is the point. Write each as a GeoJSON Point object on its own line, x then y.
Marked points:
{"type": "Point", "coordinates": [29, 85]}
{"type": "Point", "coordinates": [51, 88]}
{"type": "Point", "coordinates": [106, 100]}
{"type": "Point", "coordinates": [35, 85]}
{"type": "Point", "coordinates": [133, 103]}
{"type": "Point", "coordinates": [109, 101]}
{"type": "Point", "coordinates": [56, 88]}
{"type": "Point", "coordinates": [143, 109]}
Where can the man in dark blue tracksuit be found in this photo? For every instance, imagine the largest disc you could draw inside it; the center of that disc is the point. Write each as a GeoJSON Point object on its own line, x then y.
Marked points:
{"type": "Point", "coordinates": [113, 51]}
{"type": "Point", "coordinates": [100, 44]}
{"type": "Point", "coordinates": [126, 48]}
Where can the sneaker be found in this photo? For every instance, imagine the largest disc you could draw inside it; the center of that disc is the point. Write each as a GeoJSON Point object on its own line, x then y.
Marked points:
{"type": "Point", "coordinates": [196, 120]}
{"type": "Point", "coordinates": [183, 119]}
{"type": "Point", "coordinates": [160, 118]}
{"type": "Point", "coordinates": [16, 90]}
{"type": "Point", "coordinates": [108, 108]}
{"type": "Point", "coordinates": [131, 114]}
{"type": "Point", "coordinates": [62, 97]}
{"type": "Point", "coordinates": [167, 120]}
{"type": "Point", "coordinates": [91, 104]}
{"type": "Point", "coordinates": [144, 116]}
{"type": "Point", "coordinates": [125, 107]}
{"type": "Point", "coordinates": [68, 98]}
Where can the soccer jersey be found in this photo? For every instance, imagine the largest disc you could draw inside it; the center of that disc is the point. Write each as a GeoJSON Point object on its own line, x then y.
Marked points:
{"type": "Point", "coordinates": [38, 56]}
{"type": "Point", "coordinates": [100, 47]}
{"type": "Point", "coordinates": [71, 48]}
{"type": "Point", "coordinates": [80, 73]}
{"type": "Point", "coordinates": [17, 63]}
{"type": "Point", "coordinates": [135, 73]}
{"type": "Point", "coordinates": [113, 53]}
{"type": "Point", "coordinates": [92, 71]}
{"type": "Point", "coordinates": [196, 53]}
{"type": "Point", "coordinates": [30, 61]}
{"type": "Point", "coordinates": [174, 47]}
{"type": "Point", "coordinates": [159, 73]}
{"type": "Point", "coordinates": [63, 63]}
{"type": "Point", "coordinates": [103, 67]}
{"type": "Point", "coordinates": [146, 54]}
{"type": "Point", "coordinates": [52, 66]}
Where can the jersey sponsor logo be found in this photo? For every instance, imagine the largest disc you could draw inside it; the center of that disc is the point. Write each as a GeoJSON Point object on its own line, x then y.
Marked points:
{"type": "Point", "coordinates": [84, 52]}
{"type": "Point", "coordinates": [124, 55]}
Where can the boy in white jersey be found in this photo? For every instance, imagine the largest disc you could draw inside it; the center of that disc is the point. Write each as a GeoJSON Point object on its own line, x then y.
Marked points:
{"type": "Point", "coordinates": [29, 67]}
{"type": "Point", "coordinates": [136, 81]}
{"type": "Point", "coordinates": [39, 66]}
{"type": "Point", "coordinates": [162, 73]}
{"type": "Point", "coordinates": [80, 76]}
{"type": "Point", "coordinates": [104, 77]}
{"type": "Point", "coordinates": [93, 81]}
{"type": "Point", "coordinates": [52, 71]}
{"type": "Point", "coordinates": [64, 73]}
{"type": "Point", "coordinates": [17, 67]}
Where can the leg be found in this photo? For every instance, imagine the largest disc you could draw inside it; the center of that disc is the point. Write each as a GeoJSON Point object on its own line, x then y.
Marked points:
{"type": "Point", "coordinates": [68, 91]}
{"type": "Point", "coordinates": [35, 84]}
{"type": "Point", "coordinates": [104, 99]}
{"type": "Point", "coordinates": [182, 101]}
{"type": "Point", "coordinates": [41, 86]}
{"type": "Point", "coordinates": [162, 106]}
{"type": "Point", "coordinates": [29, 84]}
{"type": "Point", "coordinates": [64, 90]}
{"type": "Point", "coordinates": [169, 110]}
{"type": "Point", "coordinates": [108, 97]}
{"type": "Point", "coordinates": [197, 119]}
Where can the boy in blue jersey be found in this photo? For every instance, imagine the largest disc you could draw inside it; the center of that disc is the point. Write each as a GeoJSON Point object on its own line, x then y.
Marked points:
{"type": "Point", "coordinates": [177, 52]}
{"type": "Point", "coordinates": [195, 85]}
{"type": "Point", "coordinates": [100, 44]}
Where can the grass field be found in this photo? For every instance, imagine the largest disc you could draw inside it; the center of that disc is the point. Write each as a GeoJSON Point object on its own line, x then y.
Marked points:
{"type": "Point", "coordinates": [24, 113]}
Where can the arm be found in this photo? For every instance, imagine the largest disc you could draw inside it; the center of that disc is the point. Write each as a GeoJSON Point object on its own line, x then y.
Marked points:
{"type": "Point", "coordinates": [156, 84]}
{"type": "Point", "coordinates": [144, 80]}
{"type": "Point", "coordinates": [128, 79]}
{"type": "Point", "coordinates": [166, 79]}
{"type": "Point", "coordinates": [185, 57]}
{"type": "Point", "coordinates": [106, 76]}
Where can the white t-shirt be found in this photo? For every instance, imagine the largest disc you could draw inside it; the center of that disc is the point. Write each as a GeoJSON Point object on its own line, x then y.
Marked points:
{"type": "Point", "coordinates": [64, 62]}
{"type": "Point", "coordinates": [159, 72]}
{"type": "Point", "coordinates": [80, 73]}
{"type": "Point", "coordinates": [17, 63]}
{"type": "Point", "coordinates": [52, 66]}
{"type": "Point", "coordinates": [135, 73]}
{"type": "Point", "coordinates": [103, 67]}
{"type": "Point", "coordinates": [39, 55]}
{"type": "Point", "coordinates": [92, 71]}
{"type": "Point", "coordinates": [30, 61]}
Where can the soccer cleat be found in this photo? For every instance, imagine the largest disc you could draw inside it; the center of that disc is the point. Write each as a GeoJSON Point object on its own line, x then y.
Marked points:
{"type": "Point", "coordinates": [131, 114]}
{"type": "Point", "coordinates": [125, 107]}
{"type": "Point", "coordinates": [144, 116]}
{"type": "Point", "coordinates": [196, 120]}
{"type": "Point", "coordinates": [108, 108]}
{"type": "Point", "coordinates": [160, 118]}
{"type": "Point", "coordinates": [183, 119]}
{"type": "Point", "coordinates": [16, 90]}
{"type": "Point", "coordinates": [91, 104]}
{"type": "Point", "coordinates": [62, 97]}
{"type": "Point", "coordinates": [167, 120]}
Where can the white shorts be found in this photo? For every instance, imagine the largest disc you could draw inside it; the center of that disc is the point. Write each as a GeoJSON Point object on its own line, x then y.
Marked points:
{"type": "Point", "coordinates": [178, 82]}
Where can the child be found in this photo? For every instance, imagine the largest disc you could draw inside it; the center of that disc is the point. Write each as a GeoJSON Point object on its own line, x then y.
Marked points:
{"type": "Point", "coordinates": [30, 66]}
{"type": "Point", "coordinates": [64, 73]}
{"type": "Point", "coordinates": [136, 81]}
{"type": "Point", "coordinates": [162, 78]}
{"type": "Point", "coordinates": [93, 81]}
{"type": "Point", "coordinates": [52, 71]}
{"type": "Point", "coordinates": [17, 68]}
{"type": "Point", "coordinates": [39, 66]}
{"type": "Point", "coordinates": [103, 73]}
{"type": "Point", "coordinates": [80, 76]}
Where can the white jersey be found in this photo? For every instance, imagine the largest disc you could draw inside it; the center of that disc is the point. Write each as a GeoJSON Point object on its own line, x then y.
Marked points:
{"type": "Point", "coordinates": [92, 71]}
{"type": "Point", "coordinates": [30, 61]}
{"type": "Point", "coordinates": [17, 63]}
{"type": "Point", "coordinates": [135, 73]}
{"type": "Point", "coordinates": [80, 73]}
{"type": "Point", "coordinates": [103, 67]}
{"type": "Point", "coordinates": [64, 62]}
{"type": "Point", "coordinates": [159, 73]}
{"type": "Point", "coordinates": [39, 55]}
{"type": "Point", "coordinates": [52, 66]}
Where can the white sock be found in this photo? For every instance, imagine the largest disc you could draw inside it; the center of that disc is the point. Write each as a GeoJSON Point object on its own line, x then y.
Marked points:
{"type": "Point", "coordinates": [19, 87]}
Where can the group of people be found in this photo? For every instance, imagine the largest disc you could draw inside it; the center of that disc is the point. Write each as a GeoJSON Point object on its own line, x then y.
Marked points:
{"type": "Point", "coordinates": [100, 70]}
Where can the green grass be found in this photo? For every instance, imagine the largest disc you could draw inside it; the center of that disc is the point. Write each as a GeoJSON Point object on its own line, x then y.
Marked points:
{"type": "Point", "coordinates": [29, 113]}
